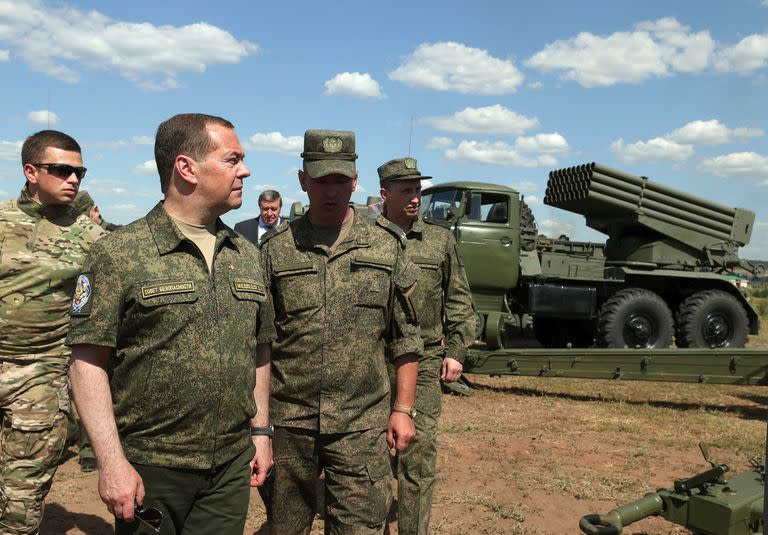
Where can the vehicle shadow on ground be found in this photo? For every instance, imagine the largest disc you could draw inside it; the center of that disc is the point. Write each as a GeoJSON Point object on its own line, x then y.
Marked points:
{"type": "Point", "coordinates": [746, 412]}
{"type": "Point", "coordinates": [58, 520]}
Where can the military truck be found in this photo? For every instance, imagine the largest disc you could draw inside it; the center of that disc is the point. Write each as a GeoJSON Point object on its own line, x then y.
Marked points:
{"type": "Point", "coordinates": [658, 280]}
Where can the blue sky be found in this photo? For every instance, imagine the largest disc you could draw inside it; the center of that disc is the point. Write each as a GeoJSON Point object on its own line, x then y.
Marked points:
{"type": "Point", "coordinates": [496, 91]}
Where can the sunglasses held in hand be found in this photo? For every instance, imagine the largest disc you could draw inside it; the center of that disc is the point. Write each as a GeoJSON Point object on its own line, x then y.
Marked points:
{"type": "Point", "coordinates": [149, 515]}
{"type": "Point", "coordinates": [63, 170]}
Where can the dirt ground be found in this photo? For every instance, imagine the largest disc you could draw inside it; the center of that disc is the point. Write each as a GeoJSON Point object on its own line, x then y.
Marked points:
{"type": "Point", "coordinates": [532, 455]}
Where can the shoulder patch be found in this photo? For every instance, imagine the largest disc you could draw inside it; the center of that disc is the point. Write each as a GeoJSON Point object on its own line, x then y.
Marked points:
{"type": "Point", "coordinates": [392, 228]}
{"type": "Point", "coordinates": [81, 301]}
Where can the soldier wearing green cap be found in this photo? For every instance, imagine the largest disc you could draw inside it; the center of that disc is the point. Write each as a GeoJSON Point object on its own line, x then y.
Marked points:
{"type": "Point", "coordinates": [447, 328]}
{"type": "Point", "coordinates": [343, 293]}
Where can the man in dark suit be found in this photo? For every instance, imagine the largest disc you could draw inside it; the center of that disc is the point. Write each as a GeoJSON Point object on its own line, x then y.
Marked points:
{"type": "Point", "coordinates": [270, 205]}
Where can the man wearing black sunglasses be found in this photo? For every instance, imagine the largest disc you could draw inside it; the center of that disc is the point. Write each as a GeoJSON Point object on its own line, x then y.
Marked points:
{"type": "Point", "coordinates": [43, 243]}
{"type": "Point", "coordinates": [170, 328]}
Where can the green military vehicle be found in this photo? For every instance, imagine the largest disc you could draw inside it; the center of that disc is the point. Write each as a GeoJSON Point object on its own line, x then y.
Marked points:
{"type": "Point", "coordinates": [659, 277]}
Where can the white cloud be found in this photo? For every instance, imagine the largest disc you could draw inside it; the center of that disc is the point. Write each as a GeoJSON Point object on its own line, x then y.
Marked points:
{"type": "Point", "coordinates": [439, 142]}
{"type": "Point", "coordinates": [749, 54]}
{"type": "Point", "coordinates": [552, 143]}
{"type": "Point", "coordinates": [4, 194]}
{"type": "Point", "coordinates": [42, 117]}
{"type": "Point", "coordinates": [525, 186]}
{"type": "Point", "coordinates": [5, 55]}
{"type": "Point", "coordinates": [360, 189]}
{"type": "Point", "coordinates": [264, 187]}
{"type": "Point", "coordinates": [124, 210]}
{"type": "Point", "coordinates": [426, 183]}
{"type": "Point", "coordinates": [98, 187]}
{"type": "Point", "coordinates": [147, 168]}
{"type": "Point", "coordinates": [711, 132]}
{"type": "Point", "coordinates": [653, 49]}
{"type": "Point", "coordinates": [354, 84]}
{"type": "Point", "coordinates": [535, 85]}
{"type": "Point", "coordinates": [737, 164]}
{"type": "Point", "coordinates": [150, 56]}
{"type": "Point", "coordinates": [10, 151]}
{"type": "Point", "coordinates": [450, 66]}
{"type": "Point", "coordinates": [497, 153]}
{"type": "Point", "coordinates": [532, 200]}
{"type": "Point", "coordinates": [143, 140]}
{"type": "Point", "coordinates": [276, 142]}
{"type": "Point", "coordinates": [654, 150]}
{"type": "Point", "coordinates": [495, 119]}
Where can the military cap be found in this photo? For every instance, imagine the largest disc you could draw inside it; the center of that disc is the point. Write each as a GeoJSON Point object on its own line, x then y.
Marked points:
{"type": "Point", "coordinates": [399, 169]}
{"type": "Point", "coordinates": [328, 152]}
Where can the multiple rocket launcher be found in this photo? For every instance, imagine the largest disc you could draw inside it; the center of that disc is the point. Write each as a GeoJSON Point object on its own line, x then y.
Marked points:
{"type": "Point", "coordinates": [607, 195]}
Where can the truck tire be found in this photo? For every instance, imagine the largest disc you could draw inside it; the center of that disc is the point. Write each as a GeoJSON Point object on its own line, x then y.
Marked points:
{"type": "Point", "coordinates": [711, 318]}
{"type": "Point", "coordinates": [554, 333]}
{"type": "Point", "coordinates": [635, 317]}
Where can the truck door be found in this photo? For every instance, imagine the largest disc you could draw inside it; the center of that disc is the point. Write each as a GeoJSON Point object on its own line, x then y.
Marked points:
{"type": "Point", "coordinates": [488, 233]}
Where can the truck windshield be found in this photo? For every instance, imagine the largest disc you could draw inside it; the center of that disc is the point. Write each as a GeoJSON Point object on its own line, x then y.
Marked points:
{"type": "Point", "coordinates": [442, 205]}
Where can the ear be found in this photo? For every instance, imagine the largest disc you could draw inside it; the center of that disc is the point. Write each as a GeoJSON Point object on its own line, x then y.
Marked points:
{"type": "Point", "coordinates": [383, 192]}
{"type": "Point", "coordinates": [30, 172]}
{"type": "Point", "coordinates": [303, 180]}
{"type": "Point", "coordinates": [354, 183]}
{"type": "Point", "coordinates": [186, 168]}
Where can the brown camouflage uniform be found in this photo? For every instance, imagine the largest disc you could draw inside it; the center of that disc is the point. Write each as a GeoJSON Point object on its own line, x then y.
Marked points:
{"type": "Point", "coordinates": [41, 252]}
{"type": "Point", "coordinates": [183, 369]}
{"type": "Point", "coordinates": [447, 319]}
{"type": "Point", "coordinates": [338, 315]}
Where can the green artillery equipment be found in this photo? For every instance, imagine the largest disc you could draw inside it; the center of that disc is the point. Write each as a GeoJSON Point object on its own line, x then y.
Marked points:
{"type": "Point", "coordinates": [707, 504]}
{"type": "Point", "coordinates": [660, 276]}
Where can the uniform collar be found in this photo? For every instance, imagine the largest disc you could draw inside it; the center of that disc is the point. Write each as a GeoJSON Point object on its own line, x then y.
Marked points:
{"type": "Point", "coordinates": [34, 209]}
{"type": "Point", "coordinates": [359, 235]}
{"type": "Point", "coordinates": [168, 236]}
{"type": "Point", "coordinates": [417, 227]}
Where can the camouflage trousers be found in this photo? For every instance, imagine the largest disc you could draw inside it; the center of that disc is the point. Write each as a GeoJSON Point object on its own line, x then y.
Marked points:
{"type": "Point", "coordinates": [416, 465]}
{"type": "Point", "coordinates": [34, 403]}
{"type": "Point", "coordinates": [357, 490]}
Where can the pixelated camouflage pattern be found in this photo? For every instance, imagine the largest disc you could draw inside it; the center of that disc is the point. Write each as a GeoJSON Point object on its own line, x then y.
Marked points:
{"type": "Point", "coordinates": [357, 490]}
{"type": "Point", "coordinates": [399, 169]}
{"type": "Point", "coordinates": [448, 319]}
{"type": "Point", "coordinates": [183, 369]}
{"type": "Point", "coordinates": [328, 152]}
{"type": "Point", "coordinates": [448, 315]}
{"type": "Point", "coordinates": [34, 401]}
{"type": "Point", "coordinates": [41, 252]}
{"type": "Point", "coordinates": [338, 315]}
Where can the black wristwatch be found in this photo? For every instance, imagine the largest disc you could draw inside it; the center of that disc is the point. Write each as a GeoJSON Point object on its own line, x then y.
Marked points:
{"type": "Point", "coordinates": [268, 431]}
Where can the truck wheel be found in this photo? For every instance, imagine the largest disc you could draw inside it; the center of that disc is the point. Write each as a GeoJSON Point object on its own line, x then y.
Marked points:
{"type": "Point", "coordinates": [711, 318]}
{"type": "Point", "coordinates": [554, 333]}
{"type": "Point", "coordinates": [635, 317]}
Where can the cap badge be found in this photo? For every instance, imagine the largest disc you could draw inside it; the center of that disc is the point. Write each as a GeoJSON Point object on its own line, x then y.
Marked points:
{"type": "Point", "coordinates": [332, 144]}
{"type": "Point", "coordinates": [410, 163]}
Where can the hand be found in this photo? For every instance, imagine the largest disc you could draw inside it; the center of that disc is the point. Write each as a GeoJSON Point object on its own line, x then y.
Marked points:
{"type": "Point", "coordinates": [400, 431]}
{"type": "Point", "coordinates": [452, 369]}
{"type": "Point", "coordinates": [120, 488]}
{"type": "Point", "coordinates": [262, 461]}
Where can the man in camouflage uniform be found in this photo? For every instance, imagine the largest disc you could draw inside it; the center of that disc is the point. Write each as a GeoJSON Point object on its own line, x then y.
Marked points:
{"type": "Point", "coordinates": [43, 243]}
{"type": "Point", "coordinates": [173, 306]}
{"type": "Point", "coordinates": [342, 288]}
{"type": "Point", "coordinates": [447, 327]}
{"type": "Point", "coordinates": [85, 204]}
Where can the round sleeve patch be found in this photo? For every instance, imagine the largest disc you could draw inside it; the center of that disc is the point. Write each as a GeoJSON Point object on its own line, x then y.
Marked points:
{"type": "Point", "coordinates": [83, 291]}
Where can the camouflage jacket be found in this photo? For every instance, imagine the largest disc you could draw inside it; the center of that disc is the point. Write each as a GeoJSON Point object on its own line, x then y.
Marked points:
{"type": "Point", "coordinates": [448, 316]}
{"type": "Point", "coordinates": [183, 369]}
{"type": "Point", "coordinates": [42, 250]}
{"type": "Point", "coordinates": [337, 317]}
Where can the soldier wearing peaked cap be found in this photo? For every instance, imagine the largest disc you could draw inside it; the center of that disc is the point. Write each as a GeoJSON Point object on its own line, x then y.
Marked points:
{"type": "Point", "coordinates": [447, 324]}
{"type": "Point", "coordinates": [343, 291]}
{"type": "Point", "coordinates": [43, 243]}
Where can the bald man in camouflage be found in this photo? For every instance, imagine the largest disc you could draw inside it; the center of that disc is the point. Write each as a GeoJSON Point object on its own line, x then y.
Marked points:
{"type": "Point", "coordinates": [447, 329]}
{"type": "Point", "coordinates": [42, 247]}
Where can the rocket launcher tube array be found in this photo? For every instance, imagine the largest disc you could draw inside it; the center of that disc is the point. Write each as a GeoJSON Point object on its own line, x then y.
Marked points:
{"type": "Point", "coordinates": [596, 190]}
